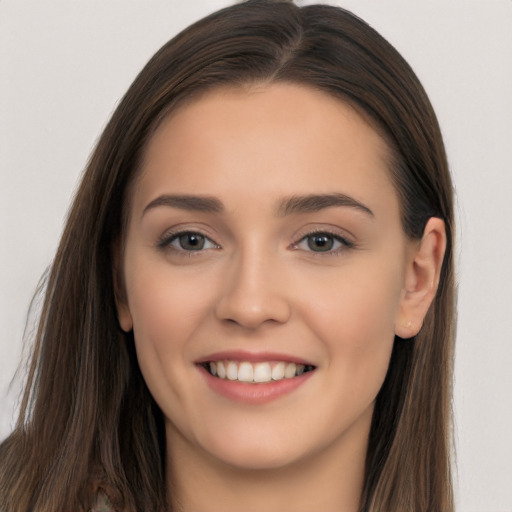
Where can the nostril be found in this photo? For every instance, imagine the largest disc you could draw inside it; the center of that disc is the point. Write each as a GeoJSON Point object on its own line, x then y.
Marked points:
{"type": "Point", "coordinates": [253, 291]}
{"type": "Point", "coordinates": [252, 313]}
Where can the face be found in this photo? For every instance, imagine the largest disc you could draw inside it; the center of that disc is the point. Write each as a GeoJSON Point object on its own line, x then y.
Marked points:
{"type": "Point", "coordinates": [264, 274]}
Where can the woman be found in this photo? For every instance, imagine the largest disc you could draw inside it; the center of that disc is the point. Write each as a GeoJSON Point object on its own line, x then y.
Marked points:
{"type": "Point", "coordinates": [252, 302]}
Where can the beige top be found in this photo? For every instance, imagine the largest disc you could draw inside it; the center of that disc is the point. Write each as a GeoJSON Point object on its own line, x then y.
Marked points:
{"type": "Point", "coordinates": [102, 504]}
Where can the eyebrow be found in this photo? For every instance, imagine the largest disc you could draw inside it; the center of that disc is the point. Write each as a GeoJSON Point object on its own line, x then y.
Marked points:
{"type": "Point", "coordinates": [316, 202]}
{"type": "Point", "coordinates": [205, 204]}
{"type": "Point", "coordinates": [287, 206]}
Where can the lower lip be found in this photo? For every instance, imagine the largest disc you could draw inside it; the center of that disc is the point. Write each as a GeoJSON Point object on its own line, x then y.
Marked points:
{"type": "Point", "coordinates": [258, 393]}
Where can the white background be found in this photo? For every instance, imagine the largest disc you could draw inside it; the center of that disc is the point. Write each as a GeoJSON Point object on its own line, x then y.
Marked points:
{"type": "Point", "coordinates": [64, 66]}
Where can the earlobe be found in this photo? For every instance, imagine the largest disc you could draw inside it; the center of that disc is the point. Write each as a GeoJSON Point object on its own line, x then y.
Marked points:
{"type": "Point", "coordinates": [125, 318]}
{"type": "Point", "coordinates": [421, 279]}
{"type": "Point", "coordinates": [123, 311]}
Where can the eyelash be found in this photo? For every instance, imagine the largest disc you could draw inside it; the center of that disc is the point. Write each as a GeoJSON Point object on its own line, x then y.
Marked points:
{"type": "Point", "coordinates": [166, 242]}
{"type": "Point", "coordinates": [344, 244]}
{"type": "Point", "coordinates": [168, 238]}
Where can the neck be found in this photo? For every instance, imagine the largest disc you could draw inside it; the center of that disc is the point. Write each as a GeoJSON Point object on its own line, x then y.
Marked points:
{"type": "Point", "coordinates": [328, 480]}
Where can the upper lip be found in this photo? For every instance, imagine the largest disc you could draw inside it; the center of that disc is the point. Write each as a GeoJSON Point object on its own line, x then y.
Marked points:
{"type": "Point", "coordinates": [252, 357]}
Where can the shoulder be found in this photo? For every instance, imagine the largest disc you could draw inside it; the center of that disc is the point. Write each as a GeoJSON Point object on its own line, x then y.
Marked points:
{"type": "Point", "coordinates": [102, 504]}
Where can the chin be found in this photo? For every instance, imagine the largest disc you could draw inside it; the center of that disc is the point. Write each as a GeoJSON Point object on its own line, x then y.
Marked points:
{"type": "Point", "coordinates": [257, 457]}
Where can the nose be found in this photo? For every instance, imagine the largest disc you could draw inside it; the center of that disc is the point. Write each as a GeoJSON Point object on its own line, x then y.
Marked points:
{"type": "Point", "coordinates": [254, 293]}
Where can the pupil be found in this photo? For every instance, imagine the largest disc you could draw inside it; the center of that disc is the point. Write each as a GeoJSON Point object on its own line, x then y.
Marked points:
{"type": "Point", "coordinates": [192, 242]}
{"type": "Point", "coordinates": [320, 243]}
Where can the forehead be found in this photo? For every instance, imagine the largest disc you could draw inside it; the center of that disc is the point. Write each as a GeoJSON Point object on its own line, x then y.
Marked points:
{"type": "Point", "coordinates": [265, 140]}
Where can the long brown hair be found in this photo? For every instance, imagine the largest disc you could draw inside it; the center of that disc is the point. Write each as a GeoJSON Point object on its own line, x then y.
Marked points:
{"type": "Point", "coordinates": [87, 420]}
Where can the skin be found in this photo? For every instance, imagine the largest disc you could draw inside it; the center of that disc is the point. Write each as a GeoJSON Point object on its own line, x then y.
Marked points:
{"type": "Point", "coordinates": [259, 285]}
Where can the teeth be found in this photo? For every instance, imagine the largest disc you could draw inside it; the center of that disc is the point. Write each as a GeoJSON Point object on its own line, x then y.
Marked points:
{"type": "Point", "coordinates": [278, 371]}
{"type": "Point", "coordinates": [245, 372]}
{"type": "Point", "coordinates": [262, 372]}
{"type": "Point", "coordinates": [290, 370]}
{"type": "Point", "coordinates": [258, 372]}
{"type": "Point", "coordinates": [221, 370]}
{"type": "Point", "coordinates": [232, 371]}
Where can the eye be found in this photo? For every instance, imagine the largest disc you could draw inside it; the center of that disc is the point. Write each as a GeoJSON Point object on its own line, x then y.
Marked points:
{"type": "Point", "coordinates": [323, 242]}
{"type": "Point", "coordinates": [189, 241]}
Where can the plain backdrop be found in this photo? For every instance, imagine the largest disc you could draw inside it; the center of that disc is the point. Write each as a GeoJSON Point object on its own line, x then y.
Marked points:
{"type": "Point", "coordinates": [65, 64]}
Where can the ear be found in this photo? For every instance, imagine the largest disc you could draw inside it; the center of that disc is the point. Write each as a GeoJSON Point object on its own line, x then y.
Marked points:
{"type": "Point", "coordinates": [123, 311]}
{"type": "Point", "coordinates": [421, 278]}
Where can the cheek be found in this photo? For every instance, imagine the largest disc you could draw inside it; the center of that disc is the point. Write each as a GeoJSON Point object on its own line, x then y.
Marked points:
{"type": "Point", "coordinates": [355, 321]}
{"type": "Point", "coordinates": [165, 306]}
{"type": "Point", "coordinates": [166, 311]}
{"type": "Point", "coordinates": [358, 303]}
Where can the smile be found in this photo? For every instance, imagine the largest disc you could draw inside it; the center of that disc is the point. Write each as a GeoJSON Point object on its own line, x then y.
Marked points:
{"type": "Point", "coordinates": [256, 373]}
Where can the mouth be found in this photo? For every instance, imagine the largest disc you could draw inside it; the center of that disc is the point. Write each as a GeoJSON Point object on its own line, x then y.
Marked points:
{"type": "Point", "coordinates": [255, 373]}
